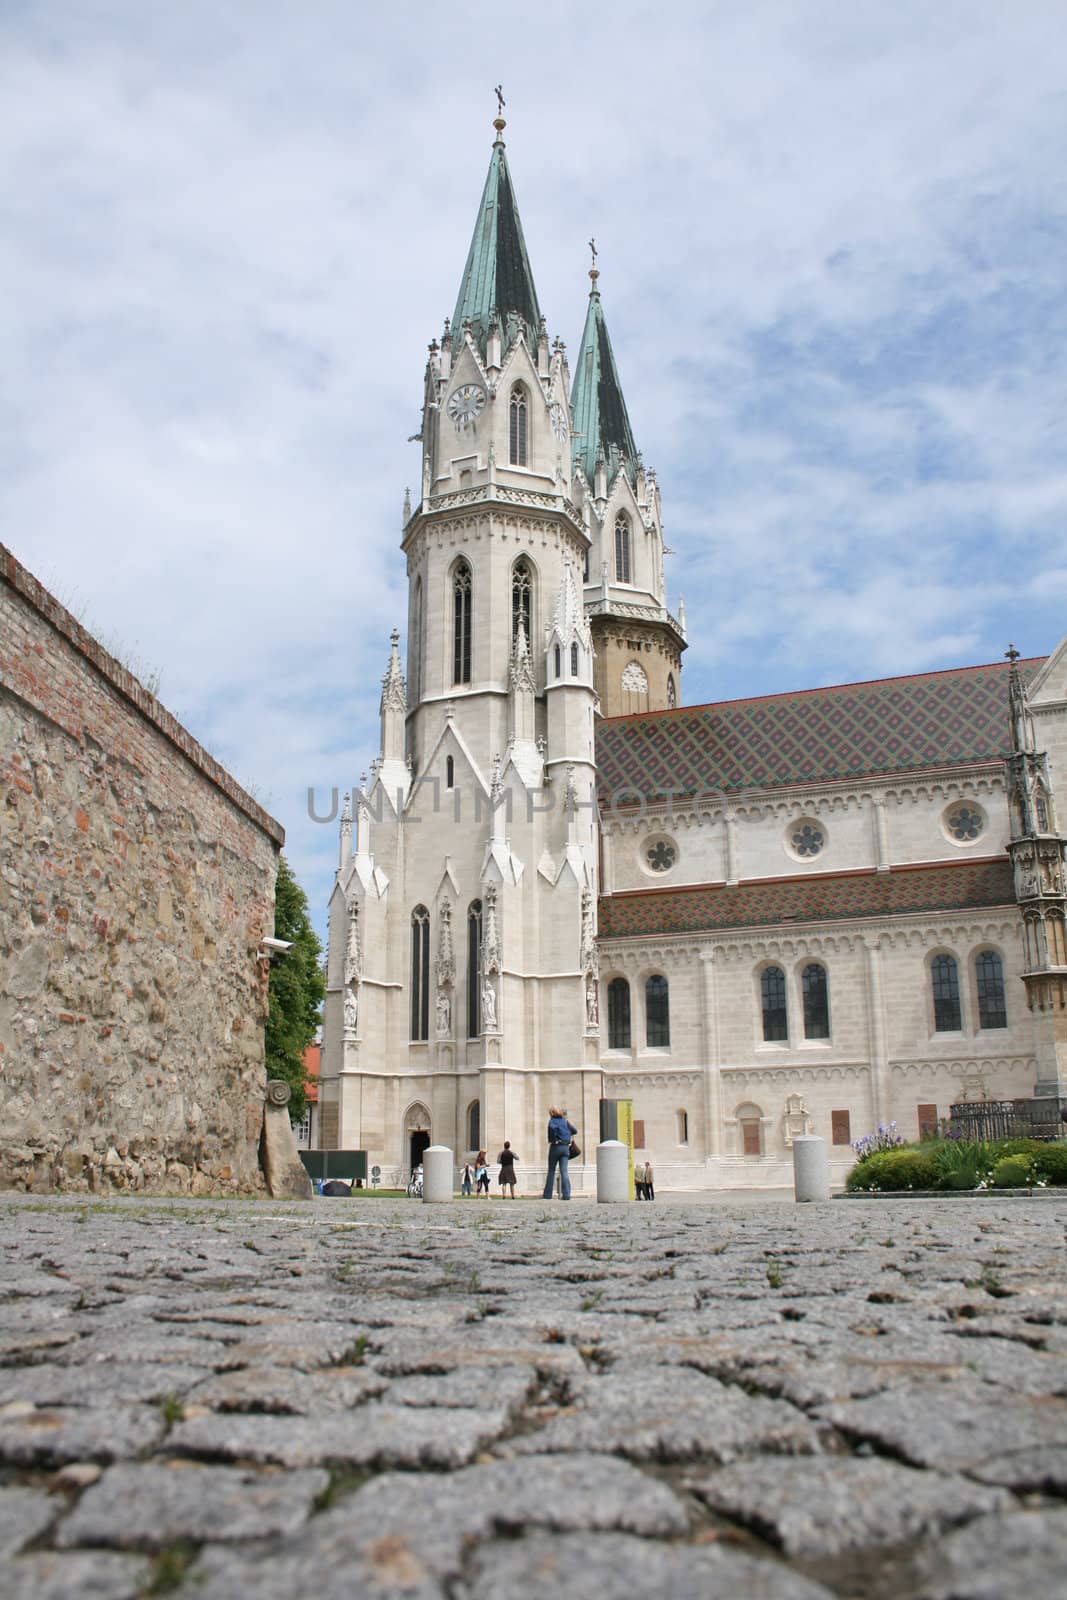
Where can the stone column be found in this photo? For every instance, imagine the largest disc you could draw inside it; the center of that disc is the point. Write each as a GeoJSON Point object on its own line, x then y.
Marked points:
{"type": "Point", "coordinates": [876, 1037]}
{"type": "Point", "coordinates": [881, 833]}
{"type": "Point", "coordinates": [710, 1034]}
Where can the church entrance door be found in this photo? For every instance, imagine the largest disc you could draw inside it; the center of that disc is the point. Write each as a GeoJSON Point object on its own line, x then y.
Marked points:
{"type": "Point", "coordinates": [419, 1141]}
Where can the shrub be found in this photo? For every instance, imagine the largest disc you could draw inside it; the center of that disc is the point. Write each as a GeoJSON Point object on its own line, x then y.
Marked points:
{"type": "Point", "coordinates": [886, 1170]}
{"type": "Point", "coordinates": [1018, 1147]}
{"type": "Point", "coordinates": [963, 1163]}
{"type": "Point", "coordinates": [1050, 1163]}
{"type": "Point", "coordinates": [872, 1144]}
{"type": "Point", "coordinates": [1012, 1172]}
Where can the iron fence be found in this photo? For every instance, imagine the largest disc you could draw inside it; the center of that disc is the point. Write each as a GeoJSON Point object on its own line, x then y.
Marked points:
{"type": "Point", "coordinates": [1008, 1119]}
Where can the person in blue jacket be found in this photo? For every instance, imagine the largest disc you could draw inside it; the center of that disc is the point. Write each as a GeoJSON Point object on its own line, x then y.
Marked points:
{"type": "Point", "coordinates": [560, 1134]}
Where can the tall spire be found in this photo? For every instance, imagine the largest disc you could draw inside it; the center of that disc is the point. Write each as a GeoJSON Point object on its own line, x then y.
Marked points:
{"type": "Point", "coordinates": [497, 276]}
{"type": "Point", "coordinates": [601, 425]}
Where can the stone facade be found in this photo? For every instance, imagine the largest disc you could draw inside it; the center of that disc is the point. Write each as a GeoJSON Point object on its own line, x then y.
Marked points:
{"type": "Point", "coordinates": [136, 883]}
{"type": "Point", "coordinates": [794, 914]}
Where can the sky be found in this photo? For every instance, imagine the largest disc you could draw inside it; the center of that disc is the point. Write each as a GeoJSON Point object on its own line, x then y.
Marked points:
{"type": "Point", "coordinates": [831, 237]}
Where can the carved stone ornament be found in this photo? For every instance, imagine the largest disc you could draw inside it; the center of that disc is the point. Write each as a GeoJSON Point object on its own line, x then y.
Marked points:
{"type": "Point", "coordinates": [446, 959]}
{"type": "Point", "coordinates": [491, 936]}
{"type": "Point", "coordinates": [354, 947]}
{"type": "Point", "coordinates": [796, 1120]}
{"type": "Point", "coordinates": [278, 1092]}
{"type": "Point", "coordinates": [589, 959]}
{"type": "Point", "coordinates": [592, 1006]}
{"type": "Point", "coordinates": [444, 1015]}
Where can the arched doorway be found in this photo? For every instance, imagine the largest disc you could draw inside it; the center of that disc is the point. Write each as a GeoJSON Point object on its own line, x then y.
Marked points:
{"type": "Point", "coordinates": [416, 1134]}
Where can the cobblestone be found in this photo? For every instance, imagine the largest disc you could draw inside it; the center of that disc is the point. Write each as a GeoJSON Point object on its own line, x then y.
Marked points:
{"type": "Point", "coordinates": [688, 1399]}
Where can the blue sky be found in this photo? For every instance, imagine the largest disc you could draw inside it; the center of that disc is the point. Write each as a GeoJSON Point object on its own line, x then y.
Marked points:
{"type": "Point", "coordinates": [832, 239]}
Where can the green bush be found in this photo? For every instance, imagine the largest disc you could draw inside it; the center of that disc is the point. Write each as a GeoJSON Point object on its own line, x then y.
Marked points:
{"type": "Point", "coordinates": [907, 1168]}
{"type": "Point", "coordinates": [1012, 1172]}
{"type": "Point", "coordinates": [1050, 1162]}
{"type": "Point", "coordinates": [1018, 1147]}
{"type": "Point", "coordinates": [963, 1163]}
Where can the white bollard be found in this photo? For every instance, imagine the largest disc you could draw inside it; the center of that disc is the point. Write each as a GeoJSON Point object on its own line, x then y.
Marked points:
{"type": "Point", "coordinates": [811, 1168]}
{"type": "Point", "coordinates": [612, 1172]}
{"type": "Point", "coordinates": [438, 1169]}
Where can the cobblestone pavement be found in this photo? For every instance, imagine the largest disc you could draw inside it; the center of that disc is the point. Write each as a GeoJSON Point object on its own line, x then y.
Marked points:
{"type": "Point", "coordinates": [492, 1399]}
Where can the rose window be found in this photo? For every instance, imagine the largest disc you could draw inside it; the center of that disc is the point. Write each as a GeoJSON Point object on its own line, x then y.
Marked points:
{"type": "Point", "coordinates": [965, 823]}
{"type": "Point", "coordinates": [808, 840]}
{"type": "Point", "coordinates": [661, 856]}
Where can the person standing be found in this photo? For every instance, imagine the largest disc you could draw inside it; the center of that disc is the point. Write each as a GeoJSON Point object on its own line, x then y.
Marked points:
{"type": "Point", "coordinates": [481, 1174]}
{"type": "Point", "coordinates": [650, 1193]}
{"type": "Point", "coordinates": [506, 1158]}
{"type": "Point", "coordinates": [467, 1186]}
{"type": "Point", "coordinates": [560, 1134]}
{"type": "Point", "coordinates": [639, 1181]}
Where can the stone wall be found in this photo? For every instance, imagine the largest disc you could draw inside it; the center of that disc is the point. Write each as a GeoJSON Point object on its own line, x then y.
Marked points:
{"type": "Point", "coordinates": [136, 882]}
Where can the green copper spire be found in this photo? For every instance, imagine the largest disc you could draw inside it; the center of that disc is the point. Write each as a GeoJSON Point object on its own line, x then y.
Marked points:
{"type": "Point", "coordinates": [598, 410]}
{"type": "Point", "coordinates": [497, 276]}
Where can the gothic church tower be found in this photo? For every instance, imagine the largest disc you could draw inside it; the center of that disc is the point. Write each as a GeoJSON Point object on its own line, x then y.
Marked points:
{"type": "Point", "coordinates": [461, 988]}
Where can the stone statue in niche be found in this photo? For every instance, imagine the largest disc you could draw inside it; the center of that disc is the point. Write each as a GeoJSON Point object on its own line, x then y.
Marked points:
{"type": "Point", "coordinates": [488, 1008]}
{"type": "Point", "coordinates": [592, 1005]}
{"type": "Point", "coordinates": [351, 1012]}
{"type": "Point", "coordinates": [444, 1015]}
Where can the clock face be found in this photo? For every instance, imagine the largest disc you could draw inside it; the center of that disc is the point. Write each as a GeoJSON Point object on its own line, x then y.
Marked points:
{"type": "Point", "coordinates": [559, 422]}
{"type": "Point", "coordinates": [466, 402]}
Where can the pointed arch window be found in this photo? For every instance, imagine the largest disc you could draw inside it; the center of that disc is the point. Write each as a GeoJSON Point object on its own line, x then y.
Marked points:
{"type": "Point", "coordinates": [450, 772]}
{"type": "Point", "coordinates": [772, 997]}
{"type": "Point", "coordinates": [517, 427]}
{"type": "Point", "coordinates": [1041, 806]}
{"type": "Point", "coordinates": [474, 969]}
{"type": "Point", "coordinates": [657, 1012]}
{"type": "Point", "coordinates": [574, 660]}
{"type": "Point", "coordinates": [420, 973]}
{"type": "Point", "coordinates": [816, 1002]}
{"type": "Point", "coordinates": [415, 646]}
{"type": "Point", "coordinates": [462, 586]}
{"type": "Point", "coordinates": [672, 694]}
{"type": "Point", "coordinates": [521, 598]}
{"type": "Point", "coordinates": [989, 975]}
{"type": "Point", "coordinates": [623, 563]}
{"type": "Point", "coordinates": [618, 1014]}
{"type": "Point", "coordinates": [558, 662]}
{"type": "Point", "coordinates": [474, 1125]}
{"type": "Point", "coordinates": [634, 685]}
{"type": "Point", "coordinates": [945, 982]}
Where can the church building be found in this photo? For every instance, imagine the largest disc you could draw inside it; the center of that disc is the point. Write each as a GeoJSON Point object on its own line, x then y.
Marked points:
{"type": "Point", "coordinates": [806, 912]}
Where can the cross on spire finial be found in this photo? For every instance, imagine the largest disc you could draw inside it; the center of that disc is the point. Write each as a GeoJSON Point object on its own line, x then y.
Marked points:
{"type": "Point", "coordinates": [498, 121]}
{"type": "Point", "coordinates": [594, 271]}
{"type": "Point", "coordinates": [1012, 654]}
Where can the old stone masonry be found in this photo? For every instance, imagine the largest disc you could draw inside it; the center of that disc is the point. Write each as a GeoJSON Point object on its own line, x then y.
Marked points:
{"type": "Point", "coordinates": [382, 1398]}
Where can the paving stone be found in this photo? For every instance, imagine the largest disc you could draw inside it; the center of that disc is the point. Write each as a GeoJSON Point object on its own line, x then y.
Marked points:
{"type": "Point", "coordinates": [49, 1438]}
{"type": "Point", "coordinates": [672, 1414]}
{"type": "Point", "coordinates": [103, 1383]}
{"type": "Point", "coordinates": [376, 1436]}
{"type": "Point", "coordinates": [616, 1567]}
{"type": "Point", "coordinates": [24, 1513]}
{"type": "Point", "coordinates": [952, 1426]}
{"type": "Point", "coordinates": [280, 1390]}
{"type": "Point", "coordinates": [1042, 1469]}
{"type": "Point", "coordinates": [507, 1387]}
{"type": "Point", "coordinates": [832, 1504]}
{"type": "Point", "coordinates": [1024, 1553]}
{"type": "Point", "coordinates": [44, 1575]}
{"type": "Point", "coordinates": [149, 1506]}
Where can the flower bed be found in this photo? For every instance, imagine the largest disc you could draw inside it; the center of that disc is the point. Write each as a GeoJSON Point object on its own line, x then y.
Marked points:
{"type": "Point", "coordinates": [886, 1164]}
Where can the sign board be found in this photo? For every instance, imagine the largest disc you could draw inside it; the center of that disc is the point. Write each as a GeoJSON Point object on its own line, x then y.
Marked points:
{"type": "Point", "coordinates": [349, 1164]}
{"type": "Point", "coordinates": [617, 1122]}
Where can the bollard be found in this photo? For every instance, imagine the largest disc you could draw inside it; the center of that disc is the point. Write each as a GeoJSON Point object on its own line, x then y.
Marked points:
{"type": "Point", "coordinates": [438, 1168]}
{"type": "Point", "coordinates": [612, 1172]}
{"type": "Point", "coordinates": [811, 1168]}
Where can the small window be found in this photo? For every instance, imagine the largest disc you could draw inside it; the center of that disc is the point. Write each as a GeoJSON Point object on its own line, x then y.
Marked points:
{"type": "Point", "coordinates": [461, 623]}
{"type": "Point", "coordinates": [772, 995]}
{"type": "Point", "coordinates": [574, 660]}
{"type": "Point", "coordinates": [450, 772]}
{"type": "Point", "coordinates": [989, 972]}
{"type": "Point", "coordinates": [474, 1125]}
{"type": "Point", "coordinates": [927, 1117]}
{"type": "Point", "coordinates": [521, 593]}
{"type": "Point", "coordinates": [517, 425]}
{"type": "Point", "coordinates": [474, 969]}
{"type": "Point", "coordinates": [661, 855]}
{"type": "Point", "coordinates": [807, 840]}
{"type": "Point", "coordinates": [1042, 812]}
{"type": "Point", "coordinates": [964, 823]}
{"type": "Point", "coordinates": [945, 982]}
{"type": "Point", "coordinates": [816, 1002]}
{"type": "Point", "coordinates": [657, 1013]}
{"type": "Point", "coordinates": [623, 565]}
{"type": "Point", "coordinates": [840, 1127]}
{"type": "Point", "coordinates": [618, 1014]}
{"type": "Point", "coordinates": [420, 974]}
{"type": "Point", "coordinates": [558, 662]}
{"type": "Point", "coordinates": [683, 1127]}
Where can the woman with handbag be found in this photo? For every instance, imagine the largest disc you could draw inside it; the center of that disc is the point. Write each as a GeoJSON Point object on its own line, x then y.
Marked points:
{"type": "Point", "coordinates": [560, 1134]}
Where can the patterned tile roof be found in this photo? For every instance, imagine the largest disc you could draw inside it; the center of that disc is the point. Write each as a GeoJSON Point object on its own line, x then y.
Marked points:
{"type": "Point", "coordinates": [933, 719]}
{"type": "Point", "coordinates": [825, 897]}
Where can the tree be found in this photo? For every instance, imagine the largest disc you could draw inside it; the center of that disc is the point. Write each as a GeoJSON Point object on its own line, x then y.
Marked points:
{"type": "Point", "coordinates": [296, 989]}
